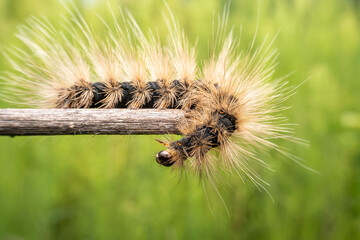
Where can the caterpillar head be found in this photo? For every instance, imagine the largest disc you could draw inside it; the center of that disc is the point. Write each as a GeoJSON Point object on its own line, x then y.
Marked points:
{"type": "Point", "coordinates": [164, 158]}
{"type": "Point", "coordinates": [171, 156]}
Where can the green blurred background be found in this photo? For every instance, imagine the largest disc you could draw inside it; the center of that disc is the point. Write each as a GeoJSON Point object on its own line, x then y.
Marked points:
{"type": "Point", "coordinates": [110, 187]}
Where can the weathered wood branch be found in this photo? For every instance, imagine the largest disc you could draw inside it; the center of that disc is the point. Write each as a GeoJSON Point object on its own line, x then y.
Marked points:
{"type": "Point", "coordinates": [20, 122]}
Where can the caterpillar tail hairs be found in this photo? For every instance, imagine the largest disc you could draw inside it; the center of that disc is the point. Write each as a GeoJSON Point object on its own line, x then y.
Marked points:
{"type": "Point", "coordinates": [231, 100]}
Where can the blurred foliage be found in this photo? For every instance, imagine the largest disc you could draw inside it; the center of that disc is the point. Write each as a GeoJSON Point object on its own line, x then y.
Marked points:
{"type": "Point", "coordinates": [109, 187]}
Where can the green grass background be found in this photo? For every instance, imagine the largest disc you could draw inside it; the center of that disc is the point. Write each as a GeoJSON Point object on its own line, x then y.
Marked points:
{"type": "Point", "coordinates": [110, 187]}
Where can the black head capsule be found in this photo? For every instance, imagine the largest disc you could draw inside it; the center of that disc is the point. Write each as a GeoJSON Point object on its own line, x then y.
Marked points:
{"type": "Point", "coordinates": [164, 158]}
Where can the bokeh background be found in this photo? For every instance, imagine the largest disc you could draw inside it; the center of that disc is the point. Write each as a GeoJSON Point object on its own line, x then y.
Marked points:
{"type": "Point", "coordinates": [109, 187]}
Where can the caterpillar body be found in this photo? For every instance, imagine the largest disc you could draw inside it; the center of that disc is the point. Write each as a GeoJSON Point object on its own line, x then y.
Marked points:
{"type": "Point", "coordinates": [232, 105]}
{"type": "Point", "coordinates": [151, 94]}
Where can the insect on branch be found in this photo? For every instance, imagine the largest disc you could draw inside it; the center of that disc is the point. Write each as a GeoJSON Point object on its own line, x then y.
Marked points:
{"type": "Point", "coordinates": [22, 122]}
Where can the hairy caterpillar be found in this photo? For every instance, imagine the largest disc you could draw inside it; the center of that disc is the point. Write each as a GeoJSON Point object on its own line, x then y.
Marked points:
{"type": "Point", "coordinates": [231, 102]}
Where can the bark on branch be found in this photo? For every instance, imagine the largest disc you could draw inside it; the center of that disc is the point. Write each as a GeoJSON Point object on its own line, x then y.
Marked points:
{"type": "Point", "coordinates": [20, 122]}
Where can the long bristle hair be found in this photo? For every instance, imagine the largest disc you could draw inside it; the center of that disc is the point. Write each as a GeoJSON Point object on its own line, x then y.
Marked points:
{"type": "Point", "coordinates": [232, 102]}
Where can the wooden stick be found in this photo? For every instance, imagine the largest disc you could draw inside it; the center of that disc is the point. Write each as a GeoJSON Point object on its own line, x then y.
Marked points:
{"type": "Point", "coordinates": [20, 122]}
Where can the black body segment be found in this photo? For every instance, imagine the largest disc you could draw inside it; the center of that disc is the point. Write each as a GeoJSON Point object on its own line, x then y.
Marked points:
{"type": "Point", "coordinates": [99, 95]}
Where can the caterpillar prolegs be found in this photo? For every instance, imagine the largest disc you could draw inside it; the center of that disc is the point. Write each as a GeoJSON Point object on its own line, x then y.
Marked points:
{"type": "Point", "coordinates": [231, 101]}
